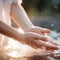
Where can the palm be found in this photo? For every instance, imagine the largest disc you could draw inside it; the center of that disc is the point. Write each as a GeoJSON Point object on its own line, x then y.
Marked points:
{"type": "Point", "coordinates": [42, 31]}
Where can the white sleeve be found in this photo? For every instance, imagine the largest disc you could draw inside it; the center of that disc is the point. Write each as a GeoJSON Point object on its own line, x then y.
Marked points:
{"type": "Point", "coordinates": [0, 9]}
{"type": "Point", "coordinates": [18, 1]}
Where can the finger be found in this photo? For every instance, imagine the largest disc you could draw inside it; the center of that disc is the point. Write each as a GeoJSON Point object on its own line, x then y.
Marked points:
{"type": "Point", "coordinates": [51, 40]}
{"type": "Point", "coordinates": [53, 55]}
{"type": "Point", "coordinates": [44, 30]}
{"type": "Point", "coordinates": [33, 44]}
{"type": "Point", "coordinates": [39, 44]}
{"type": "Point", "coordinates": [39, 37]}
{"type": "Point", "coordinates": [42, 52]}
{"type": "Point", "coordinates": [47, 45]}
{"type": "Point", "coordinates": [51, 50]}
{"type": "Point", "coordinates": [35, 36]}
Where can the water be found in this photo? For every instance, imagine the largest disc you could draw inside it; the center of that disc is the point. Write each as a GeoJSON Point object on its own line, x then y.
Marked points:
{"type": "Point", "coordinates": [56, 37]}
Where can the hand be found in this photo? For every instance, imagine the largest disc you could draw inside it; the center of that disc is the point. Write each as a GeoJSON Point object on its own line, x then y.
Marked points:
{"type": "Point", "coordinates": [39, 30]}
{"type": "Point", "coordinates": [44, 52]}
{"type": "Point", "coordinates": [42, 31]}
{"type": "Point", "coordinates": [37, 41]}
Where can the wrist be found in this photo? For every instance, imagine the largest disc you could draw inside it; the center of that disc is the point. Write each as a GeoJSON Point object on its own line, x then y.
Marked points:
{"type": "Point", "coordinates": [19, 37]}
{"type": "Point", "coordinates": [30, 27]}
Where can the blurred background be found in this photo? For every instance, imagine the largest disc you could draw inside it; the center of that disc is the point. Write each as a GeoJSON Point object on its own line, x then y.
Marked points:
{"type": "Point", "coordinates": [44, 13]}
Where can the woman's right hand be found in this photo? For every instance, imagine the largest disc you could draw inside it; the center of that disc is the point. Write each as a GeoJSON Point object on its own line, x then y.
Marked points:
{"type": "Point", "coordinates": [37, 41]}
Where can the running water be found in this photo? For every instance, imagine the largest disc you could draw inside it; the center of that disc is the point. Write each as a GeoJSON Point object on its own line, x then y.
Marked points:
{"type": "Point", "coordinates": [56, 37]}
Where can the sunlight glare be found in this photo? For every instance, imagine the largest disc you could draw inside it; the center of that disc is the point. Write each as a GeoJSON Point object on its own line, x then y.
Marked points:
{"type": "Point", "coordinates": [16, 49]}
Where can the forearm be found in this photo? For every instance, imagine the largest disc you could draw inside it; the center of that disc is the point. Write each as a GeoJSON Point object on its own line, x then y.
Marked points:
{"type": "Point", "coordinates": [20, 17]}
{"type": "Point", "coordinates": [10, 32]}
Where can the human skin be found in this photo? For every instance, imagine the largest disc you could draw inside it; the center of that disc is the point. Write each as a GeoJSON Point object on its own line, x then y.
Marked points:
{"type": "Point", "coordinates": [29, 38]}
{"type": "Point", "coordinates": [20, 17]}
